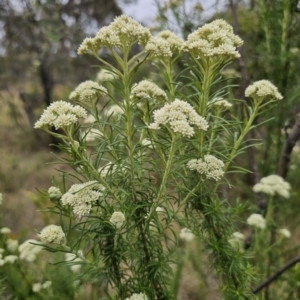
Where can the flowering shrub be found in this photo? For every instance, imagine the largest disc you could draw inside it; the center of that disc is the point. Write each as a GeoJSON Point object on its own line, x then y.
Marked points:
{"type": "Point", "coordinates": [156, 162]}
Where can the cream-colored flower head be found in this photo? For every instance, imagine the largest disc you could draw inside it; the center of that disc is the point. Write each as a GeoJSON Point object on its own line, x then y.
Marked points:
{"type": "Point", "coordinates": [117, 219]}
{"type": "Point", "coordinates": [122, 32]}
{"type": "Point", "coordinates": [180, 116]}
{"type": "Point", "coordinates": [104, 75]}
{"type": "Point", "coordinates": [262, 89]}
{"type": "Point", "coordinates": [285, 232]}
{"type": "Point", "coordinates": [92, 135]}
{"type": "Point", "coordinates": [88, 90]}
{"type": "Point", "coordinates": [12, 245]}
{"type": "Point", "coordinates": [37, 287]}
{"type": "Point", "coordinates": [5, 230]}
{"type": "Point", "coordinates": [54, 192]}
{"type": "Point", "coordinates": [165, 44]}
{"type": "Point", "coordinates": [114, 110]}
{"type": "Point", "coordinates": [210, 167]}
{"type": "Point", "coordinates": [10, 259]}
{"type": "Point", "coordinates": [237, 241]}
{"type": "Point", "coordinates": [186, 235]}
{"type": "Point", "coordinates": [221, 103]}
{"type": "Point", "coordinates": [60, 114]}
{"type": "Point", "coordinates": [136, 296]}
{"type": "Point", "coordinates": [29, 249]}
{"type": "Point", "coordinates": [81, 196]}
{"type": "Point", "coordinates": [147, 90]}
{"type": "Point", "coordinates": [75, 261]}
{"type": "Point", "coordinates": [90, 119]}
{"type": "Point", "coordinates": [215, 40]}
{"type": "Point", "coordinates": [53, 234]}
{"type": "Point", "coordinates": [257, 220]}
{"type": "Point", "coordinates": [273, 184]}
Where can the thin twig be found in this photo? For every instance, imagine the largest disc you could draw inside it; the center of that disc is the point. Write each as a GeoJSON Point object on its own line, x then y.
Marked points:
{"type": "Point", "coordinates": [269, 280]}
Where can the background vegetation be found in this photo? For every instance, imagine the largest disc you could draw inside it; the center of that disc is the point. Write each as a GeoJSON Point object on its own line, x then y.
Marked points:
{"type": "Point", "coordinates": [39, 64]}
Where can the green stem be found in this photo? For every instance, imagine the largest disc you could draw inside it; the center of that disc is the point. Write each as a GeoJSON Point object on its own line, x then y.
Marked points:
{"type": "Point", "coordinates": [163, 184]}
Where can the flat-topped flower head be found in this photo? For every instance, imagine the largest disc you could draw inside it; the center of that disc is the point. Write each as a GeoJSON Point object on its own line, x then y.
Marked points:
{"type": "Point", "coordinates": [210, 167]}
{"type": "Point", "coordinates": [165, 44]}
{"type": "Point", "coordinates": [186, 235]}
{"type": "Point", "coordinates": [262, 89]}
{"type": "Point", "coordinates": [54, 192]}
{"type": "Point", "coordinates": [147, 90]}
{"type": "Point", "coordinates": [215, 40]}
{"type": "Point", "coordinates": [122, 32]}
{"type": "Point", "coordinates": [104, 75]}
{"type": "Point", "coordinates": [81, 196]}
{"type": "Point", "coordinates": [60, 114]}
{"type": "Point", "coordinates": [29, 250]}
{"type": "Point", "coordinates": [273, 184]}
{"type": "Point", "coordinates": [136, 296]}
{"type": "Point", "coordinates": [257, 220]}
{"type": "Point", "coordinates": [114, 110]}
{"type": "Point", "coordinates": [53, 234]}
{"type": "Point", "coordinates": [88, 90]}
{"type": "Point", "coordinates": [117, 219]}
{"type": "Point", "coordinates": [180, 116]}
{"type": "Point", "coordinates": [92, 135]}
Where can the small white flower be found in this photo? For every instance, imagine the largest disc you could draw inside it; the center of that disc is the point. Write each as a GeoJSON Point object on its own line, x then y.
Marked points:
{"type": "Point", "coordinates": [136, 296]}
{"type": "Point", "coordinates": [186, 235]}
{"type": "Point", "coordinates": [28, 250]}
{"type": "Point", "coordinates": [71, 257]}
{"type": "Point", "coordinates": [12, 245]}
{"type": "Point", "coordinates": [5, 230]}
{"type": "Point", "coordinates": [10, 259]}
{"type": "Point", "coordinates": [285, 232]}
{"type": "Point", "coordinates": [237, 241]}
{"type": "Point", "coordinates": [210, 166]}
{"type": "Point", "coordinates": [257, 220]}
{"type": "Point", "coordinates": [54, 192]}
{"type": "Point", "coordinates": [273, 184]}
{"type": "Point", "coordinates": [114, 110]}
{"type": "Point", "coordinates": [117, 219]}
{"type": "Point", "coordinates": [180, 116]}
{"type": "Point", "coordinates": [262, 89]}
{"type": "Point", "coordinates": [47, 284]}
{"type": "Point", "coordinates": [53, 234]}
{"type": "Point", "coordinates": [36, 287]}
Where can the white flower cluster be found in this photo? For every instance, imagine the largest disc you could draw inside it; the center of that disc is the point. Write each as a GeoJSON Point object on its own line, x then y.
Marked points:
{"type": "Point", "coordinates": [5, 230]}
{"type": "Point", "coordinates": [237, 241]}
{"type": "Point", "coordinates": [262, 89]}
{"type": "Point", "coordinates": [222, 103]}
{"type": "Point", "coordinates": [104, 75]}
{"type": "Point", "coordinates": [114, 110]}
{"type": "Point", "coordinates": [12, 245]}
{"type": "Point", "coordinates": [88, 90]}
{"type": "Point", "coordinates": [165, 44]}
{"type": "Point", "coordinates": [28, 250]}
{"type": "Point", "coordinates": [136, 296]}
{"type": "Point", "coordinates": [93, 134]}
{"type": "Point", "coordinates": [186, 235]}
{"type": "Point", "coordinates": [90, 119]}
{"type": "Point", "coordinates": [10, 259]}
{"type": "Point", "coordinates": [257, 220]}
{"type": "Point", "coordinates": [179, 115]}
{"type": "Point", "coordinates": [37, 287]}
{"type": "Point", "coordinates": [81, 196]}
{"type": "Point", "coordinates": [60, 114]}
{"type": "Point", "coordinates": [117, 219]}
{"type": "Point", "coordinates": [122, 30]}
{"type": "Point", "coordinates": [146, 89]}
{"type": "Point", "coordinates": [285, 232]}
{"type": "Point", "coordinates": [53, 234]}
{"type": "Point", "coordinates": [54, 192]}
{"type": "Point", "coordinates": [215, 40]}
{"type": "Point", "coordinates": [210, 166]}
{"type": "Point", "coordinates": [76, 261]}
{"type": "Point", "coordinates": [273, 184]}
